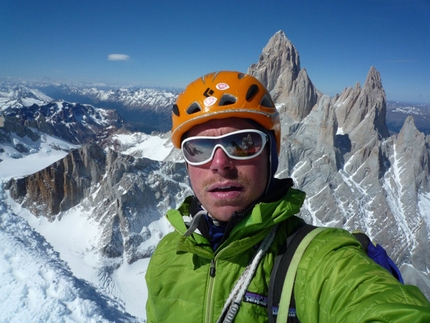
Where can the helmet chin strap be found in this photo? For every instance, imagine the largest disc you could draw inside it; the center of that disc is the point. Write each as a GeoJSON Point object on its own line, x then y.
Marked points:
{"type": "Point", "coordinates": [272, 155]}
{"type": "Point", "coordinates": [272, 160]}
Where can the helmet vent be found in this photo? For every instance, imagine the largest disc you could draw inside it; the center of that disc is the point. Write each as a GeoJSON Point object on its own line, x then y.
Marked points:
{"type": "Point", "coordinates": [266, 101]}
{"type": "Point", "coordinates": [252, 91]}
{"type": "Point", "coordinates": [193, 108]}
{"type": "Point", "coordinates": [175, 110]}
{"type": "Point", "coordinates": [227, 99]}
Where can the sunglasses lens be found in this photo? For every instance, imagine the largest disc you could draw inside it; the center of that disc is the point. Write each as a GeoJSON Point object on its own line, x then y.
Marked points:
{"type": "Point", "coordinates": [197, 150]}
{"type": "Point", "coordinates": [237, 145]}
{"type": "Point", "coordinates": [243, 144]}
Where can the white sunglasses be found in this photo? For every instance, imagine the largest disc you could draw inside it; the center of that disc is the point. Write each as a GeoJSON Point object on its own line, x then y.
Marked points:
{"type": "Point", "coordinates": [240, 145]}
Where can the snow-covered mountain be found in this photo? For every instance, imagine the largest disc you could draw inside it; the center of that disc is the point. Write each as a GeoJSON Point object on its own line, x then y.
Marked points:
{"type": "Point", "coordinates": [144, 109]}
{"type": "Point", "coordinates": [397, 112]}
{"type": "Point", "coordinates": [28, 110]}
{"type": "Point", "coordinates": [99, 203]}
{"type": "Point", "coordinates": [15, 95]}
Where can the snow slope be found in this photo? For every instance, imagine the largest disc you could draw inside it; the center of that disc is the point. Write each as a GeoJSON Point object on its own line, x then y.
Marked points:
{"type": "Point", "coordinates": [36, 285]}
{"type": "Point", "coordinates": [49, 271]}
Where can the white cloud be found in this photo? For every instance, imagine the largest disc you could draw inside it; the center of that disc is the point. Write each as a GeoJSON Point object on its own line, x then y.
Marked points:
{"type": "Point", "coordinates": [118, 57]}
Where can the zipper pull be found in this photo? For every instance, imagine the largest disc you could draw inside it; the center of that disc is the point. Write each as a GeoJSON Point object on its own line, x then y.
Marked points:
{"type": "Point", "coordinates": [212, 269]}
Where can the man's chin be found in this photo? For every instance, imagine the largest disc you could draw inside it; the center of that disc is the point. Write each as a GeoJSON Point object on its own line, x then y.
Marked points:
{"type": "Point", "coordinates": [224, 213]}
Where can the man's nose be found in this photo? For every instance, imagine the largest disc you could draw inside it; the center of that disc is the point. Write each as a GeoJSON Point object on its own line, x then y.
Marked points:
{"type": "Point", "coordinates": [221, 161]}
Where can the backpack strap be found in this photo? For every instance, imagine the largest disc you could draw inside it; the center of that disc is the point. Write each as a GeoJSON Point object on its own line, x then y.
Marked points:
{"type": "Point", "coordinates": [379, 255]}
{"type": "Point", "coordinates": [362, 238]}
{"type": "Point", "coordinates": [284, 271]}
{"type": "Point", "coordinates": [280, 299]}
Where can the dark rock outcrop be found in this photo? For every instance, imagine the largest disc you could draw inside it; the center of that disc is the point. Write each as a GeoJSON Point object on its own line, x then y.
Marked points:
{"type": "Point", "coordinates": [61, 185]}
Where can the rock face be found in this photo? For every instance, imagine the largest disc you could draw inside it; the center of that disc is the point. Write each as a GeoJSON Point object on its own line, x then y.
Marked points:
{"type": "Point", "coordinates": [340, 153]}
{"type": "Point", "coordinates": [126, 193]}
{"type": "Point", "coordinates": [360, 180]}
{"type": "Point", "coordinates": [63, 184]}
{"type": "Point", "coordinates": [279, 69]}
{"type": "Point", "coordinates": [8, 126]}
{"type": "Point", "coordinates": [355, 106]}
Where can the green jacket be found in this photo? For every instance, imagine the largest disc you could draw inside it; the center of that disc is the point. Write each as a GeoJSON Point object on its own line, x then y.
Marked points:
{"type": "Point", "coordinates": [335, 282]}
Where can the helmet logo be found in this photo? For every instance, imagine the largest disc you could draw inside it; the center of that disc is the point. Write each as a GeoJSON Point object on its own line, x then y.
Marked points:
{"type": "Point", "coordinates": [222, 86]}
{"type": "Point", "coordinates": [208, 92]}
{"type": "Point", "coordinates": [209, 101]}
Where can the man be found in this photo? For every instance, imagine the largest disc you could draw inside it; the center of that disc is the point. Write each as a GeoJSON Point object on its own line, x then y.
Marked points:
{"type": "Point", "coordinates": [216, 265]}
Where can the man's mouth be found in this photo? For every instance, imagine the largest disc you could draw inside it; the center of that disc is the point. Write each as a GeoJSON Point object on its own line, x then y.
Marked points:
{"type": "Point", "coordinates": [226, 189]}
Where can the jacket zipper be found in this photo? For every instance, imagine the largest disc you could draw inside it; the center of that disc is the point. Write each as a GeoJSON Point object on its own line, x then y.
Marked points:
{"type": "Point", "coordinates": [212, 269]}
{"type": "Point", "coordinates": [209, 300]}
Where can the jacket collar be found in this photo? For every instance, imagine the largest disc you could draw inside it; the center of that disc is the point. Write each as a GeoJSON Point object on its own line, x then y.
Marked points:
{"type": "Point", "coordinates": [279, 204]}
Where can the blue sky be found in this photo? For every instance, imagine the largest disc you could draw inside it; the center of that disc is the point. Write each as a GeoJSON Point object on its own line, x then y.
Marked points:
{"type": "Point", "coordinates": [171, 43]}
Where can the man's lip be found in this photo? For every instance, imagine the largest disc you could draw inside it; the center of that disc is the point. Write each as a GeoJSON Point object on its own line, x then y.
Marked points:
{"type": "Point", "coordinates": [224, 186]}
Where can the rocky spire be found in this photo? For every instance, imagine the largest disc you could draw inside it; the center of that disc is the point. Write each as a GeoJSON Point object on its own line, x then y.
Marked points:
{"type": "Point", "coordinates": [279, 57]}
{"type": "Point", "coordinates": [354, 106]}
{"type": "Point", "coordinates": [411, 144]}
{"type": "Point", "coordinates": [279, 70]}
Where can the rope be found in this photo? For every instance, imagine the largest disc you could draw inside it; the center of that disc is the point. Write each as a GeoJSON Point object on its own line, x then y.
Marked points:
{"type": "Point", "coordinates": [234, 300]}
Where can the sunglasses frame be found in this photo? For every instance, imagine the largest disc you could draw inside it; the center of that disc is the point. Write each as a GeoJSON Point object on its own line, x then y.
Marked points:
{"type": "Point", "coordinates": [264, 140]}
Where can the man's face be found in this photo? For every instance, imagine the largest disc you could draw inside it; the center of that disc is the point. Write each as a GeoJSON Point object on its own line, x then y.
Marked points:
{"type": "Point", "coordinates": [225, 185]}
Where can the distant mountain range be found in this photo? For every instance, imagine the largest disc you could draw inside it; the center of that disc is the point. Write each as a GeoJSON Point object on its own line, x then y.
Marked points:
{"type": "Point", "coordinates": [398, 111]}
{"type": "Point", "coordinates": [143, 109]}
{"type": "Point", "coordinates": [148, 109]}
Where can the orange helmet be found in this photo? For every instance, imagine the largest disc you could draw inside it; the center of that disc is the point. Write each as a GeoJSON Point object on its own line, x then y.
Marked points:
{"type": "Point", "coordinates": [222, 95]}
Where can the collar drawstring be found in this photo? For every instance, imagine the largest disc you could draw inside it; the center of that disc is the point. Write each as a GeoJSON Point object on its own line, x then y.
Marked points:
{"type": "Point", "coordinates": [195, 222]}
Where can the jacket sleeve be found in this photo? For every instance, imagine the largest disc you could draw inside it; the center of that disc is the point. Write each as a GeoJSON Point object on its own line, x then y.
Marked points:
{"type": "Point", "coordinates": [337, 282]}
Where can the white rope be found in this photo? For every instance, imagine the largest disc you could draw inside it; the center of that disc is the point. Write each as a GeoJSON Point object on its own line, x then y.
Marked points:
{"type": "Point", "coordinates": [236, 295]}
